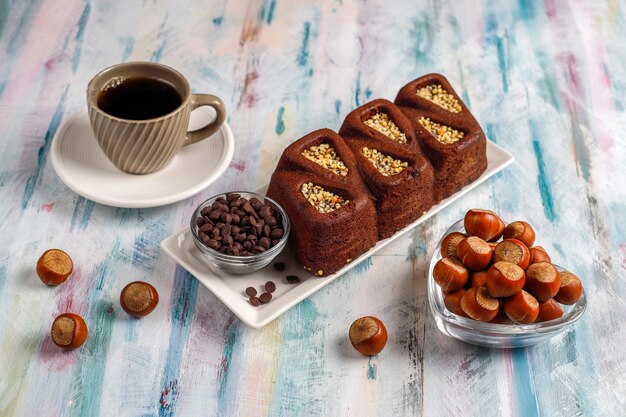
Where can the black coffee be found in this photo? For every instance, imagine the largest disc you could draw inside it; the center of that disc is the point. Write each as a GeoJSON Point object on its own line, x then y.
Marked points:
{"type": "Point", "coordinates": [139, 99]}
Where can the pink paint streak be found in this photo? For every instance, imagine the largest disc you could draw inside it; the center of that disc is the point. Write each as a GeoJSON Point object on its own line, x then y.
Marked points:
{"type": "Point", "coordinates": [48, 207]}
{"type": "Point", "coordinates": [239, 165]}
{"type": "Point", "coordinates": [248, 95]}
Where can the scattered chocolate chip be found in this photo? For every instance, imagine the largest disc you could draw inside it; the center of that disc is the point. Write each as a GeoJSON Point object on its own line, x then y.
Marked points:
{"type": "Point", "coordinates": [265, 298]}
{"type": "Point", "coordinates": [279, 266]}
{"type": "Point", "coordinates": [255, 301]}
{"type": "Point", "coordinates": [293, 279]}
{"type": "Point", "coordinates": [250, 292]}
{"type": "Point", "coordinates": [270, 286]}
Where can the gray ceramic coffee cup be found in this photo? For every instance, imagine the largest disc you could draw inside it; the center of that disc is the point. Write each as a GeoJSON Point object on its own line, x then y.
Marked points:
{"type": "Point", "coordinates": [145, 146]}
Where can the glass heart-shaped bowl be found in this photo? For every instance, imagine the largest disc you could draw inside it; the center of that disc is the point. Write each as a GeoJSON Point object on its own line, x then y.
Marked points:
{"type": "Point", "coordinates": [510, 335]}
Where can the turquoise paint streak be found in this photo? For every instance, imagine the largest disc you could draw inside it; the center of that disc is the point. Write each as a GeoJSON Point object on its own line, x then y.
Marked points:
{"type": "Point", "coordinates": [338, 108]}
{"type": "Point", "coordinates": [3, 277]}
{"type": "Point", "coordinates": [280, 124]}
{"type": "Point", "coordinates": [526, 396]}
{"type": "Point", "coordinates": [42, 155]}
{"type": "Point", "coordinates": [82, 213]}
{"type": "Point", "coordinates": [371, 369]}
{"type": "Point", "coordinates": [232, 335]}
{"type": "Point", "coordinates": [4, 15]}
{"type": "Point", "coordinates": [363, 266]}
{"type": "Point", "coordinates": [302, 325]}
{"type": "Point", "coordinates": [270, 13]}
{"type": "Point", "coordinates": [89, 374]}
{"type": "Point", "coordinates": [218, 20]}
{"type": "Point", "coordinates": [184, 294]}
{"type": "Point", "coordinates": [491, 37]}
{"type": "Point", "coordinates": [303, 55]}
{"type": "Point", "coordinates": [544, 187]}
{"type": "Point", "coordinates": [129, 44]}
{"type": "Point", "coordinates": [80, 34]}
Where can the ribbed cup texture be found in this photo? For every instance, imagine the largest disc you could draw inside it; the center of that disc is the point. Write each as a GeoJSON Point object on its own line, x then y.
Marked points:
{"type": "Point", "coordinates": [140, 147]}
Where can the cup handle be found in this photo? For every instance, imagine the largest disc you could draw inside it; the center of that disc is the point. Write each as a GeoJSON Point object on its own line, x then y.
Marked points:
{"type": "Point", "coordinates": [198, 100]}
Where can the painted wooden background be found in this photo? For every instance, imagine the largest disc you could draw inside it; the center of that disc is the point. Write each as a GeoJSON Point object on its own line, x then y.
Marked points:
{"type": "Point", "coordinates": [546, 79]}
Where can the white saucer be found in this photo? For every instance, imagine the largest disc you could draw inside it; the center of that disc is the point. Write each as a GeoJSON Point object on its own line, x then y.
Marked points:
{"type": "Point", "coordinates": [83, 167]}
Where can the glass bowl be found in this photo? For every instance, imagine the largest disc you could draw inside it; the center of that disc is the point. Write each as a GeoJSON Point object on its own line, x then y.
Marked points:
{"type": "Point", "coordinates": [218, 261]}
{"type": "Point", "coordinates": [494, 335]}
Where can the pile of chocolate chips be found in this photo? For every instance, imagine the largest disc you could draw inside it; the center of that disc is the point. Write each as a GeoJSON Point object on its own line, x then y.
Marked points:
{"type": "Point", "coordinates": [237, 226]}
{"type": "Point", "coordinates": [264, 298]}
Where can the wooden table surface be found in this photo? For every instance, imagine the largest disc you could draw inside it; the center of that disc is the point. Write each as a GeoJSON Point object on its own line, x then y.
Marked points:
{"type": "Point", "coordinates": [546, 80]}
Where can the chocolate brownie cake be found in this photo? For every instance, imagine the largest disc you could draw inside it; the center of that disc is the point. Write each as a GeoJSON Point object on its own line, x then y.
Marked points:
{"type": "Point", "coordinates": [333, 218]}
{"type": "Point", "coordinates": [390, 162]}
{"type": "Point", "coordinates": [448, 134]}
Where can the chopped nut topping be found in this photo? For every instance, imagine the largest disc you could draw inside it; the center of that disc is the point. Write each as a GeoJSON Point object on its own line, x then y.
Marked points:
{"type": "Point", "coordinates": [326, 156]}
{"type": "Point", "coordinates": [382, 123]}
{"type": "Point", "coordinates": [440, 97]}
{"type": "Point", "coordinates": [324, 201]}
{"type": "Point", "coordinates": [385, 164]}
{"type": "Point", "coordinates": [442, 133]}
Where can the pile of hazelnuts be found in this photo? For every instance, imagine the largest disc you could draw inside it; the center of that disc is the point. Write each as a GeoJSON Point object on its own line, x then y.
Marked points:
{"type": "Point", "coordinates": [69, 330]}
{"type": "Point", "coordinates": [501, 281]}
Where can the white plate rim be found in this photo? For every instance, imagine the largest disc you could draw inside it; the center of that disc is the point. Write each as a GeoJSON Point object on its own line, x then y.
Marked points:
{"type": "Point", "coordinates": [57, 164]}
{"type": "Point", "coordinates": [265, 314]}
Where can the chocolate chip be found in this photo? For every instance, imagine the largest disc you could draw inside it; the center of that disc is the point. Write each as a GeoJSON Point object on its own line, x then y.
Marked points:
{"type": "Point", "coordinates": [251, 291]}
{"type": "Point", "coordinates": [266, 231]}
{"type": "Point", "coordinates": [275, 242]}
{"type": "Point", "coordinates": [232, 196]}
{"type": "Point", "coordinates": [258, 249]}
{"type": "Point", "coordinates": [279, 266]}
{"type": "Point", "coordinates": [293, 279]}
{"type": "Point", "coordinates": [265, 298]}
{"type": "Point", "coordinates": [270, 220]}
{"type": "Point", "coordinates": [205, 227]}
{"type": "Point", "coordinates": [214, 215]}
{"type": "Point", "coordinates": [228, 240]}
{"type": "Point", "coordinates": [205, 211]}
{"type": "Point", "coordinates": [226, 230]}
{"type": "Point", "coordinates": [200, 221]}
{"type": "Point", "coordinates": [247, 207]}
{"type": "Point", "coordinates": [226, 218]}
{"type": "Point", "coordinates": [277, 233]}
{"type": "Point", "coordinates": [265, 242]}
{"type": "Point", "coordinates": [265, 210]}
{"type": "Point", "coordinates": [240, 237]}
{"type": "Point", "coordinates": [255, 301]}
{"type": "Point", "coordinates": [270, 286]}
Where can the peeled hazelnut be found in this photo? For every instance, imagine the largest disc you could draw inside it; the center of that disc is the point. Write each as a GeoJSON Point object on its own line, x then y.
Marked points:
{"type": "Point", "coordinates": [505, 279]}
{"type": "Point", "coordinates": [479, 305]}
{"type": "Point", "coordinates": [538, 254]}
{"type": "Point", "coordinates": [450, 243]}
{"type": "Point", "coordinates": [368, 335]}
{"type": "Point", "coordinates": [474, 252]}
{"type": "Point", "coordinates": [450, 274]}
{"type": "Point", "coordinates": [542, 280]}
{"type": "Point", "coordinates": [484, 224]}
{"type": "Point", "coordinates": [549, 310]}
{"type": "Point", "coordinates": [571, 289]}
{"type": "Point", "coordinates": [54, 267]}
{"type": "Point", "coordinates": [452, 302]}
{"type": "Point", "coordinates": [479, 279]}
{"type": "Point", "coordinates": [139, 298]}
{"type": "Point", "coordinates": [514, 251]}
{"type": "Point", "coordinates": [522, 307]}
{"type": "Point", "coordinates": [521, 231]}
{"type": "Point", "coordinates": [69, 331]}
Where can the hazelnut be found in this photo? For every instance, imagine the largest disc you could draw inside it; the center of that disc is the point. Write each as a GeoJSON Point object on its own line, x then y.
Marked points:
{"type": "Point", "coordinates": [484, 224]}
{"type": "Point", "coordinates": [570, 290]}
{"type": "Point", "coordinates": [538, 254]}
{"type": "Point", "coordinates": [479, 305]}
{"type": "Point", "coordinates": [505, 279]}
{"type": "Point", "coordinates": [450, 274]}
{"type": "Point", "coordinates": [549, 310]}
{"type": "Point", "coordinates": [368, 335]}
{"type": "Point", "coordinates": [521, 231]}
{"type": "Point", "coordinates": [139, 298]}
{"type": "Point", "coordinates": [479, 279]}
{"type": "Point", "coordinates": [452, 302]}
{"type": "Point", "coordinates": [450, 243]}
{"type": "Point", "coordinates": [69, 331]}
{"type": "Point", "coordinates": [522, 307]}
{"type": "Point", "coordinates": [54, 267]}
{"type": "Point", "coordinates": [542, 280]}
{"type": "Point", "coordinates": [514, 251]}
{"type": "Point", "coordinates": [474, 252]}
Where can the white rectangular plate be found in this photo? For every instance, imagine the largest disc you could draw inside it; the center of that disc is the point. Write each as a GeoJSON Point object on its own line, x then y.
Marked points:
{"type": "Point", "coordinates": [230, 288]}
